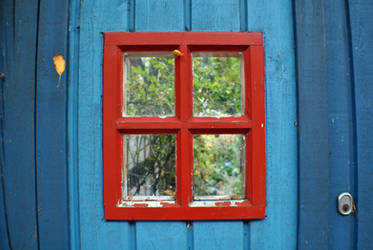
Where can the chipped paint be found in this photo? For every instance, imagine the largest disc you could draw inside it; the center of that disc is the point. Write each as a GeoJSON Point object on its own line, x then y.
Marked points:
{"type": "Point", "coordinates": [223, 204]}
{"type": "Point", "coordinates": [215, 203]}
{"type": "Point", "coordinates": [147, 204]}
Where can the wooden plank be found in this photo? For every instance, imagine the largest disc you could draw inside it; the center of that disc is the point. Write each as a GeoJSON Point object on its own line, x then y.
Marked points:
{"type": "Point", "coordinates": [51, 145]}
{"type": "Point", "coordinates": [161, 235]}
{"type": "Point", "coordinates": [341, 141]}
{"type": "Point", "coordinates": [217, 15]}
{"type": "Point", "coordinates": [313, 125]}
{"type": "Point", "coordinates": [19, 51]}
{"type": "Point", "coordinates": [72, 124]}
{"type": "Point", "coordinates": [278, 229]}
{"type": "Point", "coordinates": [362, 49]}
{"type": "Point", "coordinates": [218, 235]}
{"type": "Point", "coordinates": [4, 231]}
{"type": "Point", "coordinates": [159, 15]}
{"type": "Point", "coordinates": [96, 17]}
{"type": "Point", "coordinates": [155, 15]}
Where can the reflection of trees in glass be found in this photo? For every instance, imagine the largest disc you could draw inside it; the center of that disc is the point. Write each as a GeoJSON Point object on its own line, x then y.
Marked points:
{"type": "Point", "coordinates": [150, 164]}
{"type": "Point", "coordinates": [216, 86]}
{"type": "Point", "coordinates": [149, 86]}
{"type": "Point", "coordinates": [150, 160]}
{"type": "Point", "coordinates": [217, 164]}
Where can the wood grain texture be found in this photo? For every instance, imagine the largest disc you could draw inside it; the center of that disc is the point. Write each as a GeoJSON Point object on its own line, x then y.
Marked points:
{"type": "Point", "coordinates": [161, 235]}
{"type": "Point", "coordinates": [96, 17]}
{"type": "Point", "coordinates": [217, 15]}
{"type": "Point", "coordinates": [19, 30]}
{"type": "Point", "coordinates": [72, 124]}
{"type": "Point", "coordinates": [278, 229]}
{"type": "Point", "coordinates": [165, 16]}
{"type": "Point", "coordinates": [313, 126]}
{"type": "Point", "coordinates": [159, 15]}
{"type": "Point", "coordinates": [51, 144]}
{"type": "Point", "coordinates": [341, 128]}
{"type": "Point", "coordinates": [362, 50]}
{"type": "Point", "coordinates": [218, 235]}
{"type": "Point", "coordinates": [4, 232]}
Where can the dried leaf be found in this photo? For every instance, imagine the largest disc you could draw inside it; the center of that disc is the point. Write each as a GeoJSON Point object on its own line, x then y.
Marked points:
{"type": "Point", "coordinates": [177, 52]}
{"type": "Point", "coordinates": [59, 65]}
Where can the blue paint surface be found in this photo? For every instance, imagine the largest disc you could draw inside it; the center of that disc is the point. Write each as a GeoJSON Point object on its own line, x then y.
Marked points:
{"type": "Point", "coordinates": [313, 126]}
{"type": "Point", "coordinates": [278, 229]}
{"type": "Point", "coordinates": [218, 235]}
{"type": "Point", "coordinates": [362, 50]}
{"type": "Point", "coordinates": [334, 47]}
{"type": "Point", "coordinates": [51, 139]}
{"type": "Point", "coordinates": [275, 21]}
{"type": "Point", "coordinates": [341, 141]}
{"type": "Point", "coordinates": [18, 52]}
{"type": "Point", "coordinates": [95, 232]}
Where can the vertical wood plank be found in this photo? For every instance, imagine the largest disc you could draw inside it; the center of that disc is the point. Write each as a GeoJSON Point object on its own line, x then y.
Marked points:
{"type": "Point", "coordinates": [362, 48]}
{"type": "Point", "coordinates": [161, 235]}
{"type": "Point", "coordinates": [159, 15]}
{"type": "Point", "coordinates": [72, 124]}
{"type": "Point", "coordinates": [278, 229]}
{"type": "Point", "coordinates": [155, 15]}
{"type": "Point", "coordinates": [19, 29]}
{"type": "Point", "coordinates": [218, 235]}
{"type": "Point", "coordinates": [51, 144]}
{"type": "Point", "coordinates": [341, 141]}
{"type": "Point", "coordinates": [96, 17]}
{"type": "Point", "coordinates": [313, 125]}
{"type": "Point", "coordinates": [4, 235]}
{"type": "Point", "coordinates": [217, 15]}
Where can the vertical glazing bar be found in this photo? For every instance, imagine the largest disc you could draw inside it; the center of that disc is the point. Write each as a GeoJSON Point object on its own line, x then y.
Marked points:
{"type": "Point", "coordinates": [258, 128]}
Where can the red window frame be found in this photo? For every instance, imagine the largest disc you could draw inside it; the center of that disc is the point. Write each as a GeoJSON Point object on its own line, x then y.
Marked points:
{"type": "Point", "coordinates": [183, 124]}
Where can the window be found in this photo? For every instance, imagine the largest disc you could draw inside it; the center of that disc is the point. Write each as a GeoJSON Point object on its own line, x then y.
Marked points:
{"type": "Point", "coordinates": [183, 126]}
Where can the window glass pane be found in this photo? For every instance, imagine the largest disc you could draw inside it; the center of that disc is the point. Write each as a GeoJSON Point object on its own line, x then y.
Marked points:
{"type": "Point", "coordinates": [149, 162]}
{"type": "Point", "coordinates": [219, 166]}
{"type": "Point", "coordinates": [148, 84]}
{"type": "Point", "coordinates": [218, 84]}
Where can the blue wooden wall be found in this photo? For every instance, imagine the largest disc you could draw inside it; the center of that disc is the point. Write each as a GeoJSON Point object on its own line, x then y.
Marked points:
{"type": "Point", "coordinates": [335, 93]}
{"type": "Point", "coordinates": [274, 19]}
{"type": "Point", "coordinates": [51, 151]}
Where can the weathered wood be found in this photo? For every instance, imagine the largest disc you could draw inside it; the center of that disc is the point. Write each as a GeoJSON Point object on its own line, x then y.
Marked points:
{"type": "Point", "coordinates": [4, 229]}
{"type": "Point", "coordinates": [278, 229]}
{"type": "Point", "coordinates": [361, 26]}
{"type": "Point", "coordinates": [160, 16]}
{"type": "Point", "coordinates": [19, 30]}
{"type": "Point", "coordinates": [313, 125]}
{"type": "Point", "coordinates": [96, 17]}
{"type": "Point", "coordinates": [51, 115]}
{"type": "Point", "coordinates": [340, 123]}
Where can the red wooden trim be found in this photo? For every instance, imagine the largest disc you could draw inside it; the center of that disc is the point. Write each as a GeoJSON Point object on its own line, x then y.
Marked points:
{"type": "Point", "coordinates": [258, 131]}
{"type": "Point", "coordinates": [112, 141]}
{"type": "Point", "coordinates": [187, 38]}
{"type": "Point", "coordinates": [185, 153]}
{"type": "Point", "coordinates": [171, 123]}
{"type": "Point", "coordinates": [185, 213]}
{"type": "Point", "coordinates": [183, 124]}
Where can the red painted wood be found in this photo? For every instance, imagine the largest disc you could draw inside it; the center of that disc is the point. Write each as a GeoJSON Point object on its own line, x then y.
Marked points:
{"type": "Point", "coordinates": [183, 124]}
{"type": "Point", "coordinates": [112, 140]}
{"type": "Point", "coordinates": [177, 38]}
{"type": "Point", "coordinates": [184, 213]}
{"type": "Point", "coordinates": [257, 82]}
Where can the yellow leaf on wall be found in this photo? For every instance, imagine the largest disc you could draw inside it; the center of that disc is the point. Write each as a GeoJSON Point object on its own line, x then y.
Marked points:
{"type": "Point", "coordinates": [59, 65]}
